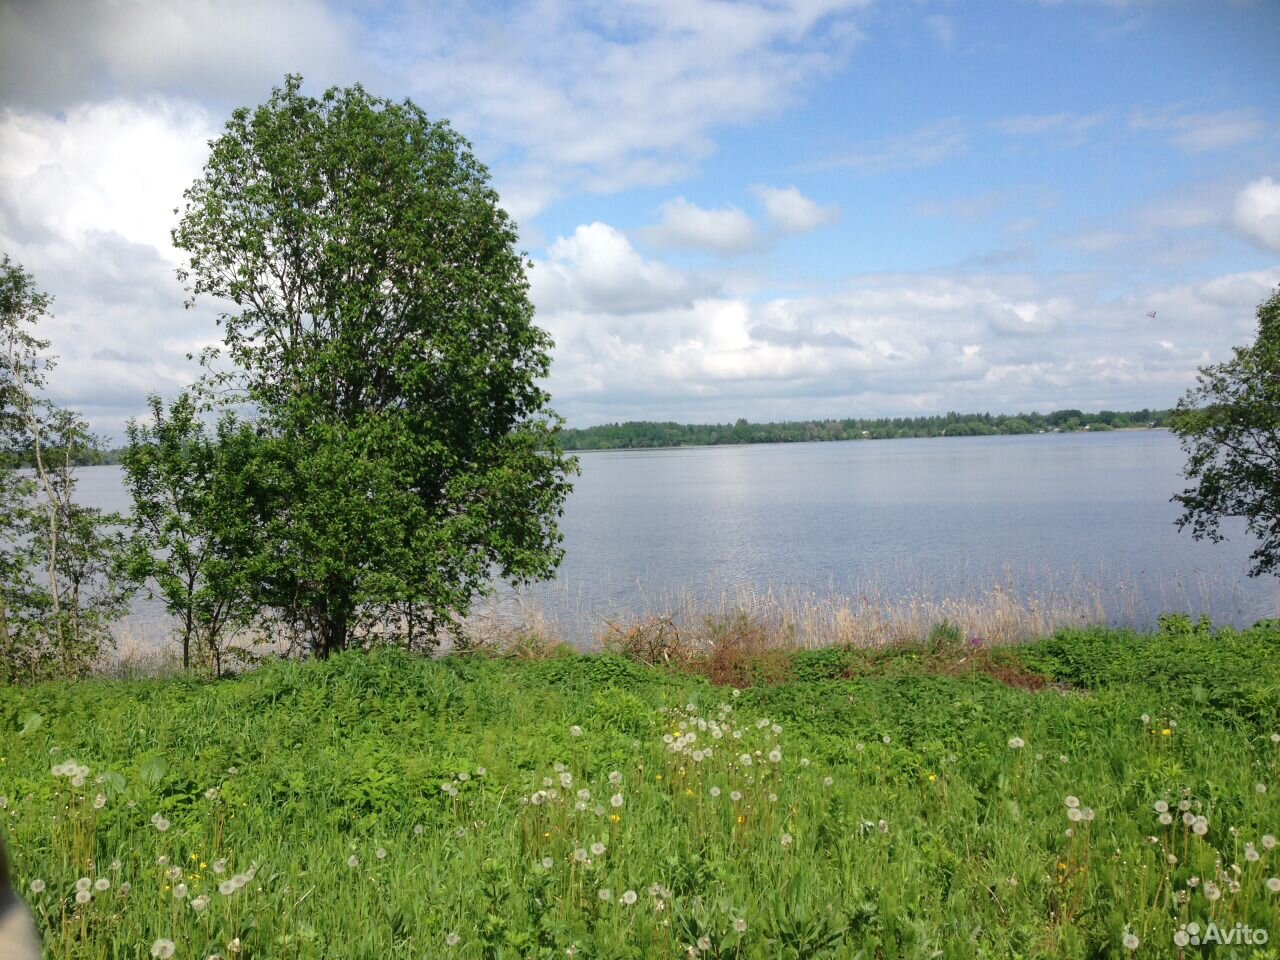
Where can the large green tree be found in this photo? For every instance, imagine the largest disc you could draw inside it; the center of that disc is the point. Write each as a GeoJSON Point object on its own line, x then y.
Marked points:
{"type": "Point", "coordinates": [383, 337]}
{"type": "Point", "coordinates": [1229, 425]}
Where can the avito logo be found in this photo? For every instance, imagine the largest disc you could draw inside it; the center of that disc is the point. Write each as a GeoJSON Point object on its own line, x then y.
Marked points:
{"type": "Point", "coordinates": [1241, 934]}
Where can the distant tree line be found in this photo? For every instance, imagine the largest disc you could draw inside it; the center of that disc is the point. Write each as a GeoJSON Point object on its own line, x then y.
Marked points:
{"type": "Point", "coordinates": [646, 434]}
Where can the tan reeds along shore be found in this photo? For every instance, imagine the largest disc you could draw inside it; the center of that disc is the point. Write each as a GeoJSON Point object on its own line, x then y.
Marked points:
{"type": "Point", "coordinates": [890, 609]}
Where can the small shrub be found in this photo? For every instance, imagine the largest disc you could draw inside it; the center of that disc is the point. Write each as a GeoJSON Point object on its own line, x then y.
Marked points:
{"type": "Point", "coordinates": [945, 635]}
{"type": "Point", "coordinates": [829, 663]}
{"type": "Point", "coordinates": [653, 640]}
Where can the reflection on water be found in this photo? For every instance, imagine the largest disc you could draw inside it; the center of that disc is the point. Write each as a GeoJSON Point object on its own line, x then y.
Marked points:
{"type": "Point", "coordinates": [648, 531]}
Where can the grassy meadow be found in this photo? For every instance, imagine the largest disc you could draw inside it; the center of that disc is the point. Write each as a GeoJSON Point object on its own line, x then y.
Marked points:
{"type": "Point", "coordinates": [1095, 794]}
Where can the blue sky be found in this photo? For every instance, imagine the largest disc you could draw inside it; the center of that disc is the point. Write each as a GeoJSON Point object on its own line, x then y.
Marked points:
{"type": "Point", "coordinates": [772, 210]}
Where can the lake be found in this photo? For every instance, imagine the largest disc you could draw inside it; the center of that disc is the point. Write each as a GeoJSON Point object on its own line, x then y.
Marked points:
{"type": "Point", "coordinates": [888, 521]}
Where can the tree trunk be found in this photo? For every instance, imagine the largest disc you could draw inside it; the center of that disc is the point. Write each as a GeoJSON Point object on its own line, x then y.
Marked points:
{"type": "Point", "coordinates": [334, 624]}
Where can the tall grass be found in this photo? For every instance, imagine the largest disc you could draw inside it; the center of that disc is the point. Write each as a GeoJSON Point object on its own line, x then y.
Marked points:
{"type": "Point", "coordinates": [388, 806]}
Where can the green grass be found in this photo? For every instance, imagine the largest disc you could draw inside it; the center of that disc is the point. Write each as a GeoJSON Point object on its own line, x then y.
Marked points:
{"type": "Point", "coordinates": [899, 821]}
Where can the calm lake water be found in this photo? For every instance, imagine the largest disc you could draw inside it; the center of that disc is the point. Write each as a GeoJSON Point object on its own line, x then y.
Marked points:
{"type": "Point", "coordinates": [649, 531]}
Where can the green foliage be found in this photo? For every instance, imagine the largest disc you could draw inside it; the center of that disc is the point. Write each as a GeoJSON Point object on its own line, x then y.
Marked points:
{"type": "Point", "coordinates": [390, 806]}
{"type": "Point", "coordinates": [60, 581]}
{"type": "Point", "coordinates": [385, 340]}
{"type": "Point", "coordinates": [189, 525]}
{"type": "Point", "coordinates": [1229, 426]}
{"type": "Point", "coordinates": [945, 635]}
{"type": "Point", "coordinates": [826, 663]}
{"type": "Point", "coordinates": [642, 434]}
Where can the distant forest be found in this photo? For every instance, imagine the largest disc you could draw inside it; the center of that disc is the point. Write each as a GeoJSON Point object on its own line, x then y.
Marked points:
{"type": "Point", "coordinates": [640, 434]}
{"type": "Point", "coordinates": [643, 433]}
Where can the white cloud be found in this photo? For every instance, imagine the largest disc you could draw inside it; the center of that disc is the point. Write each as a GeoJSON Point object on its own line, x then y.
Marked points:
{"type": "Point", "coordinates": [617, 95]}
{"type": "Point", "coordinates": [943, 30]}
{"type": "Point", "coordinates": [57, 54]}
{"type": "Point", "coordinates": [86, 205]}
{"type": "Point", "coordinates": [790, 211]}
{"type": "Point", "coordinates": [726, 230]}
{"type": "Point", "coordinates": [886, 344]}
{"type": "Point", "coordinates": [1202, 132]}
{"type": "Point", "coordinates": [1257, 212]}
{"type": "Point", "coordinates": [923, 147]}
{"type": "Point", "coordinates": [598, 270]}
{"type": "Point", "coordinates": [1048, 123]}
{"type": "Point", "coordinates": [116, 167]}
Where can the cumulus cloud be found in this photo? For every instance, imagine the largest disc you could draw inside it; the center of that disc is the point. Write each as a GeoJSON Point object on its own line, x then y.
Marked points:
{"type": "Point", "coordinates": [1257, 213]}
{"type": "Point", "coordinates": [114, 167]}
{"type": "Point", "coordinates": [725, 231]}
{"type": "Point", "coordinates": [885, 344]}
{"type": "Point", "coordinates": [597, 269]}
{"type": "Point", "coordinates": [790, 211]}
{"type": "Point", "coordinates": [86, 205]}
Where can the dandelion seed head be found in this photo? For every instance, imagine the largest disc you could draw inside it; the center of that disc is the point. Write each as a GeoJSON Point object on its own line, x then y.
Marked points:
{"type": "Point", "coordinates": [163, 949]}
{"type": "Point", "coordinates": [83, 896]}
{"type": "Point", "coordinates": [628, 898]}
{"type": "Point", "coordinates": [1130, 941]}
{"type": "Point", "coordinates": [37, 886]}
